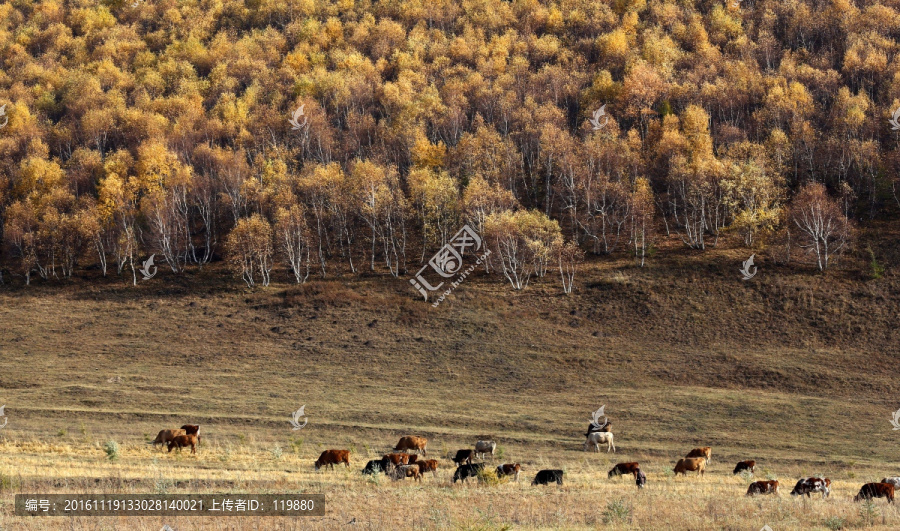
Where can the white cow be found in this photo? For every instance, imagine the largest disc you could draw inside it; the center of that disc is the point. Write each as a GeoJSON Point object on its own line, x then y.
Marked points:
{"type": "Point", "coordinates": [895, 481]}
{"type": "Point", "coordinates": [485, 447]}
{"type": "Point", "coordinates": [600, 437]}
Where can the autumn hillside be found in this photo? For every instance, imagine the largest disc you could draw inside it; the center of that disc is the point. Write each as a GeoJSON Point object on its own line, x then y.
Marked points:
{"type": "Point", "coordinates": [325, 138]}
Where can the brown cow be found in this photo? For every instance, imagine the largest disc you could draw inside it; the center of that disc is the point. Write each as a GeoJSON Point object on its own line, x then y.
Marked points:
{"type": "Point", "coordinates": [192, 429]}
{"type": "Point", "coordinates": [181, 441]}
{"type": "Point", "coordinates": [164, 436]}
{"type": "Point", "coordinates": [749, 466]}
{"type": "Point", "coordinates": [512, 469]}
{"type": "Point", "coordinates": [876, 490]}
{"type": "Point", "coordinates": [705, 452]}
{"type": "Point", "coordinates": [413, 459]}
{"type": "Point", "coordinates": [412, 443]}
{"type": "Point", "coordinates": [396, 459]}
{"type": "Point", "coordinates": [624, 468]}
{"type": "Point", "coordinates": [763, 487]}
{"type": "Point", "coordinates": [430, 465]}
{"type": "Point", "coordinates": [406, 471]}
{"type": "Point", "coordinates": [333, 457]}
{"type": "Point", "coordinates": [690, 464]}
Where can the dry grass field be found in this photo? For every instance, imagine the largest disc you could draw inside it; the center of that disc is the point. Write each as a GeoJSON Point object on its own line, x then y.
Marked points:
{"type": "Point", "coordinates": [795, 370]}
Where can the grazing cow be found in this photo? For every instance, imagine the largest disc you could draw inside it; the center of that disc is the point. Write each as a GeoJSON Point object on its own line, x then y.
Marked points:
{"type": "Point", "coordinates": [485, 447]}
{"type": "Point", "coordinates": [509, 470]}
{"type": "Point", "coordinates": [595, 429]}
{"type": "Point", "coordinates": [397, 459]}
{"type": "Point", "coordinates": [374, 466]}
{"type": "Point", "coordinates": [413, 459]}
{"type": "Point", "coordinates": [411, 444]}
{"type": "Point", "coordinates": [876, 490]}
{"type": "Point", "coordinates": [406, 471]}
{"type": "Point", "coordinates": [749, 466]}
{"type": "Point", "coordinates": [333, 457]}
{"type": "Point", "coordinates": [465, 472]}
{"type": "Point", "coordinates": [192, 429]}
{"type": "Point", "coordinates": [763, 487]}
{"type": "Point", "coordinates": [624, 468]}
{"type": "Point", "coordinates": [895, 481]}
{"type": "Point", "coordinates": [545, 477]}
{"type": "Point", "coordinates": [690, 464]}
{"type": "Point", "coordinates": [809, 485]}
{"type": "Point", "coordinates": [181, 441]}
{"type": "Point", "coordinates": [594, 439]}
{"type": "Point", "coordinates": [640, 479]}
{"type": "Point", "coordinates": [464, 456]}
{"type": "Point", "coordinates": [164, 436]}
{"type": "Point", "coordinates": [705, 452]}
{"type": "Point", "coordinates": [430, 465]}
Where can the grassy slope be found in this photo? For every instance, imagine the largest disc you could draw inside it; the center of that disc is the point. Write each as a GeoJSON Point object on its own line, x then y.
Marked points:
{"type": "Point", "coordinates": [794, 369]}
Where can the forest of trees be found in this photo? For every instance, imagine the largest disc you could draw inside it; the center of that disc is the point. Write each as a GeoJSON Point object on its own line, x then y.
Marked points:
{"type": "Point", "coordinates": [320, 137]}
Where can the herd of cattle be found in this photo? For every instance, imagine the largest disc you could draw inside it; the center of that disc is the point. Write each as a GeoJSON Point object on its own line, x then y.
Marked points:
{"type": "Point", "coordinates": [400, 464]}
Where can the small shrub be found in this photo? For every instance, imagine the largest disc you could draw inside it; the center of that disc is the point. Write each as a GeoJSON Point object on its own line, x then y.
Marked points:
{"type": "Point", "coordinates": [746, 475]}
{"type": "Point", "coordinates": [276, 452]}
{"type": "Point", "coordinates": [112, 450]}
{"type": "Point", "coordinates": [226, 455]}
{"type": "Point", "coordinates": [8, 483]}
{"type": "Point", "coordinates": [488, 476]}
{"type": "Point", "coordinates": [668, 472]}
{"type": "Point", "coordinates": [242, 439]}
{"type": "Point", "coordinates": [616, 511]}
{"type": "Point", "coordinates": [61, 432]}
{"type": "Point", "coordinates": [163, 485]}
{"type": "Point", "coordinates": [770, 476]}
{"type": "Point", "coordinates": [868, 511]}
{"type": "Point", "coordinates": [297, 445]}
{"type": "Point", "coordinates": [877, 270]}
{"type": "Point", "coordinates": [834, 523]}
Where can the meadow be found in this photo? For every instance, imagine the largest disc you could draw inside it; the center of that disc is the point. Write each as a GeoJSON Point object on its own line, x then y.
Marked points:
{"type": "Point", "coordinates": [793, 369]}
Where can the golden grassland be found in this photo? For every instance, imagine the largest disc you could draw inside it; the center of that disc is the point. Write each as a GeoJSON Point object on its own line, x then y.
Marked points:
{"type": "Point", "coordinates": [795, 370]}
{"type": "Point", "coordinates": [588, 498]}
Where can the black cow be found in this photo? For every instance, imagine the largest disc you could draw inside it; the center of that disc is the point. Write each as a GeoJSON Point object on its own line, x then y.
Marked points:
{"type": "Point", "coordinates": [640, 479]}
{"type": "Point", "coordinates": [465, 472]}
{"type": "Point", "coordinates": [464, 456]}
{"type": "Point", "coordinates": [374, 466]}
{"type": "Point", "coordinates": [545, 477]}
{"type": "Point", "coordinates": [749, 466]}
